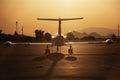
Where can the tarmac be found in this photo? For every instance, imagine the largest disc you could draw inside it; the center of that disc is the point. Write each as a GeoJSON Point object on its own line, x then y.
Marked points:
{"type": "Point", "coordinates": [89, 62]}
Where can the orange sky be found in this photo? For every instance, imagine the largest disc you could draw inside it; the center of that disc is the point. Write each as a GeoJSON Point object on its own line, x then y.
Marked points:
{"type": "Point", "coordinates": [96, 13]}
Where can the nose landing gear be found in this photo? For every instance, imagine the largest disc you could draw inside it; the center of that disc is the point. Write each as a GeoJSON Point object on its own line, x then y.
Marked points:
{"type": "Point", "coordinates": [58, 49]}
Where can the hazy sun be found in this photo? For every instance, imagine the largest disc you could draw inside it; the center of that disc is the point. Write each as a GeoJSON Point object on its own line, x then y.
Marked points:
{"type": "Point", "coordinates": [65, 2]}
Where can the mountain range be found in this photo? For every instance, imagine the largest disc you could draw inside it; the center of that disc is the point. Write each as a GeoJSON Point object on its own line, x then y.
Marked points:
{"type": "Point", "coordinates": [101, 31]}
{"type": "Point", "coordinates": [96, 32]}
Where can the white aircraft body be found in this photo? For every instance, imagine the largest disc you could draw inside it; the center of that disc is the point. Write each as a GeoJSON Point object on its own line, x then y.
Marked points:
{"type": "Point", "coordinates": [59, 39]}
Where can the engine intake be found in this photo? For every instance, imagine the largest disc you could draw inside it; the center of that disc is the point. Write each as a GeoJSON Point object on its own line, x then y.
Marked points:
{"type": "Point", "coordinates": [109, 41]}
{"type": "Point", "coordinates": [8, 43]}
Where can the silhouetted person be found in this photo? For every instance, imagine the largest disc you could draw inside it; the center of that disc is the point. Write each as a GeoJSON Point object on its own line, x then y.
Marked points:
{"type": "Point", "coordinates": [70, 51]}
{"type": "Point", "coordinates": [47, 51]}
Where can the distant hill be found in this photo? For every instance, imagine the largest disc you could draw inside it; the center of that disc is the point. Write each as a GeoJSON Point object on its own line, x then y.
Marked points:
{"type": "Point", "coordinates": [96, 32]}
{"type": "Point", "coordinates": [96, 35]}
{"type": "Point", "coordinates": [78, 34]}
{"type": "Point", "coordinates": [101, 31]}
{"type": "Point", "coordinates": [81, 35]}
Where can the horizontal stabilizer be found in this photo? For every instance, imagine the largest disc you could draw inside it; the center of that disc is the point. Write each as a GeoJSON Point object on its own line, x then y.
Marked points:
{"type": "Point", "coordinates": [66, 19]}
{"type": "Point", "coordinates": [62, 19]}
{"type": "Point", "coordinates": [48, 19]}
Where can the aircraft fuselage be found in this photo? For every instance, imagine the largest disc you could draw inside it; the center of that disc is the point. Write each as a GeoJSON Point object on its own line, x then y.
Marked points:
{"type": "Point", "coordinates": [59, 41]}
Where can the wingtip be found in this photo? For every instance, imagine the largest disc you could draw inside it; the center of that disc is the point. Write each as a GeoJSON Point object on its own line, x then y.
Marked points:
{"type": "Point", "coordinates": [37, 18]}
{"type": "Point", "coordinates": [82, 17]}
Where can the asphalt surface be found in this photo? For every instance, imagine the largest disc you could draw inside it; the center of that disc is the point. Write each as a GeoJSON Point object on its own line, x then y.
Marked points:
{"type": "Point", "coordinates": [89, 62]}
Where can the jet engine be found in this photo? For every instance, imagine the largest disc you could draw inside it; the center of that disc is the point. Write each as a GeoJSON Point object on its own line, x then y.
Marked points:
{"type": "Point", "coordinates": [109, 41]}
{"type": "Point", "coordinates": [8, 43]}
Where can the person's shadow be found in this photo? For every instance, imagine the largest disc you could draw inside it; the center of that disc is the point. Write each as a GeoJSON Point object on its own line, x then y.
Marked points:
{"type": "Point", "coordinates": [39, 58]}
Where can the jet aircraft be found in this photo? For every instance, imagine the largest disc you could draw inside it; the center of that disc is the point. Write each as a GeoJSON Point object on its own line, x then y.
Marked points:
{"type": "Point", "coordinates": [59, 39]}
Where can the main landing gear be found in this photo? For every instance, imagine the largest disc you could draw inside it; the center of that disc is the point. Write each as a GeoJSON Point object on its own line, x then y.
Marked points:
{"type": "Point", "coordinates": [70, 50]}
{"type": "Point", "coordinates": [47, 50]}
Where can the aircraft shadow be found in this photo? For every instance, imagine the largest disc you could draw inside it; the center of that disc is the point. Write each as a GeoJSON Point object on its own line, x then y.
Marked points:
{"type": "Point", "coordinates": [39, 58]}
{"type": "Point", "coordinates": [55, 56]}
{"type": "Point", "coordinates": [71, 58]}
{"type": "Point", "coordinates": [51, 56]}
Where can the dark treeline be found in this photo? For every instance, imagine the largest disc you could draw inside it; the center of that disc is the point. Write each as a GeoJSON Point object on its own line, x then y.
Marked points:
{"type": "Point", "coordinates": [40, 36]}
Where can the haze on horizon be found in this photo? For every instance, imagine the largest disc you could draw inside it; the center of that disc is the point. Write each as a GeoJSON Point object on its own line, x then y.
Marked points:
{"type": "Point", "coordinates": [96, 13]}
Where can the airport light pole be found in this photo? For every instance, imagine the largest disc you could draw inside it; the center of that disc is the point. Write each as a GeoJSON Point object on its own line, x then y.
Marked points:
{"type": "Point", "coordinates": [16, 26]}
{"type": "Point", "coordinates": [118, 33]}
{"type": "Point", "coordinates": [22, 30]}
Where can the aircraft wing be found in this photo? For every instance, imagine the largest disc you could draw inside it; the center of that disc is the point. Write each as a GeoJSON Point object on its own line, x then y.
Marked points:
{"type": "Point", "coordinates": [90, 42]}
{"type": "Point", "coordinates": [32, 43]}
{"type": "Point", "coordinates": [8, 43]}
